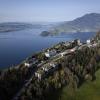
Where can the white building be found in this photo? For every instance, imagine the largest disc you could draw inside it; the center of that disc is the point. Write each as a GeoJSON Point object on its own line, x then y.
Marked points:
{"type": "Point", "coordinates": [27, 64]}
{"type": "Point", "coordinates": [38, 75]}
{"type": "Point", "coordinates": [88, 41]}
{"type": "Point", "coordinates": [30, 62]}
{"type": "Point", "coordinates": [45, 69]}
{"type": "Point", "coordinates": [72, 50]}
{"type": "Point", "coordinates": [53, 65]}
{"type": "Point", "coordinates": [79, 42]}
{"type": "Point", "coordinates": [50, 53]}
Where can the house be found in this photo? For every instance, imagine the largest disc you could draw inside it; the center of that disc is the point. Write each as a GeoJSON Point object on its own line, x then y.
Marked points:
{"type": "Point", "coordinates": [88, 41]}
{"type": "Point", "coordinates": [50, 53]}
{"type": "Point", "coordinates": [79, 42]}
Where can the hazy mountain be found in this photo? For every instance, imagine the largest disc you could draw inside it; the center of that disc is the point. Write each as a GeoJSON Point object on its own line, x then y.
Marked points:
{"type": "Point", "coordinates": [17, 26]}
{"type": "Point", "coordinates": [14, 26]}
{"type": "Point", "coordinates": [87, 23]}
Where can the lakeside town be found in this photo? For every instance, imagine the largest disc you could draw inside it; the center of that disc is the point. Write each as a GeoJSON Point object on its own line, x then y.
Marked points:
{"type": "Point", "coordinates": [46, 62]}
{"type": "Point", "coordinates": [49, 50]}
{"type": "Point", "coordinates": [50, 57]}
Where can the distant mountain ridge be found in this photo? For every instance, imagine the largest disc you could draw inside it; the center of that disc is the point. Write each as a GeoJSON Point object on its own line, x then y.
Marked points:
{"type": "Point", "coordinates": [18, 26]}
{"type": "Point", "coordinates": [13, 26]}
{"type": "Point", "coordinates": [87, 23]}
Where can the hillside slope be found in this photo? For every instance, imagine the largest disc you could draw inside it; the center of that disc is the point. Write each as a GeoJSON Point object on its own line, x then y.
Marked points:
{"type": "Point", "coordinates": [87, 23]}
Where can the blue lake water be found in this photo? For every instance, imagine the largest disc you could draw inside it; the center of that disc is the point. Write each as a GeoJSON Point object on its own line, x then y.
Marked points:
{"type": "Point", "coordinates": [16, 46]}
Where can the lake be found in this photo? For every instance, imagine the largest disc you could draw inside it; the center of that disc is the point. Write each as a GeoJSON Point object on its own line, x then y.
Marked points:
{"type": "Point", "coordinates": [16, 46]}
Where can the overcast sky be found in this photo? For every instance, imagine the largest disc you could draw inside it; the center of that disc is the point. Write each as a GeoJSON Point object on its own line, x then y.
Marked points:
{"type": "Point", "coordinates": [46, 10]}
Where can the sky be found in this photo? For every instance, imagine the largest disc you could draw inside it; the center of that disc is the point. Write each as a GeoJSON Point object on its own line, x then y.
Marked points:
{"type": "Point", "coordinates": [46, 10]}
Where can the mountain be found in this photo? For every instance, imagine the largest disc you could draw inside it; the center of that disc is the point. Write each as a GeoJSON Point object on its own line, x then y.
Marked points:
{"type": "Point", "coordinates": [87, 23]}
{"type": "Point", "coordinates": [17, 26]}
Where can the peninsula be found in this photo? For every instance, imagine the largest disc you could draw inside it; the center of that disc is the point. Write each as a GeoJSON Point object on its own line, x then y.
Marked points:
{"type": "Point", "coordinates": [66, 63]}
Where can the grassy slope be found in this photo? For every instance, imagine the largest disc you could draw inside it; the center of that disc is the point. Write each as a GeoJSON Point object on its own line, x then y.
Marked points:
{"type": "Point", "coordinates": [88, 91]}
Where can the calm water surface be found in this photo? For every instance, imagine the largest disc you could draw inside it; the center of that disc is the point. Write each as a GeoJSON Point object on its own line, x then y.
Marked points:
{"type": "Point", "coordinates": [16, 46]}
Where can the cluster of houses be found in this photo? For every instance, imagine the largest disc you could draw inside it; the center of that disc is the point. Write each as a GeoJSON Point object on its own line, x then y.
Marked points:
{"type": "Point", "coordinates": [50, 66]}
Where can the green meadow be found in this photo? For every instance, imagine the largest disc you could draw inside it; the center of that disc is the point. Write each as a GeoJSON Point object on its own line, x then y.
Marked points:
{"type": "Point", "coordinates": [88, 91]}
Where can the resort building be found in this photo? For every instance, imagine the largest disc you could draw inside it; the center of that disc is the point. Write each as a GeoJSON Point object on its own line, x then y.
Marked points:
{"type": "Point", "coordinates": [30, 62]}
{"type": "Point", "coordinates": [50, 53]}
